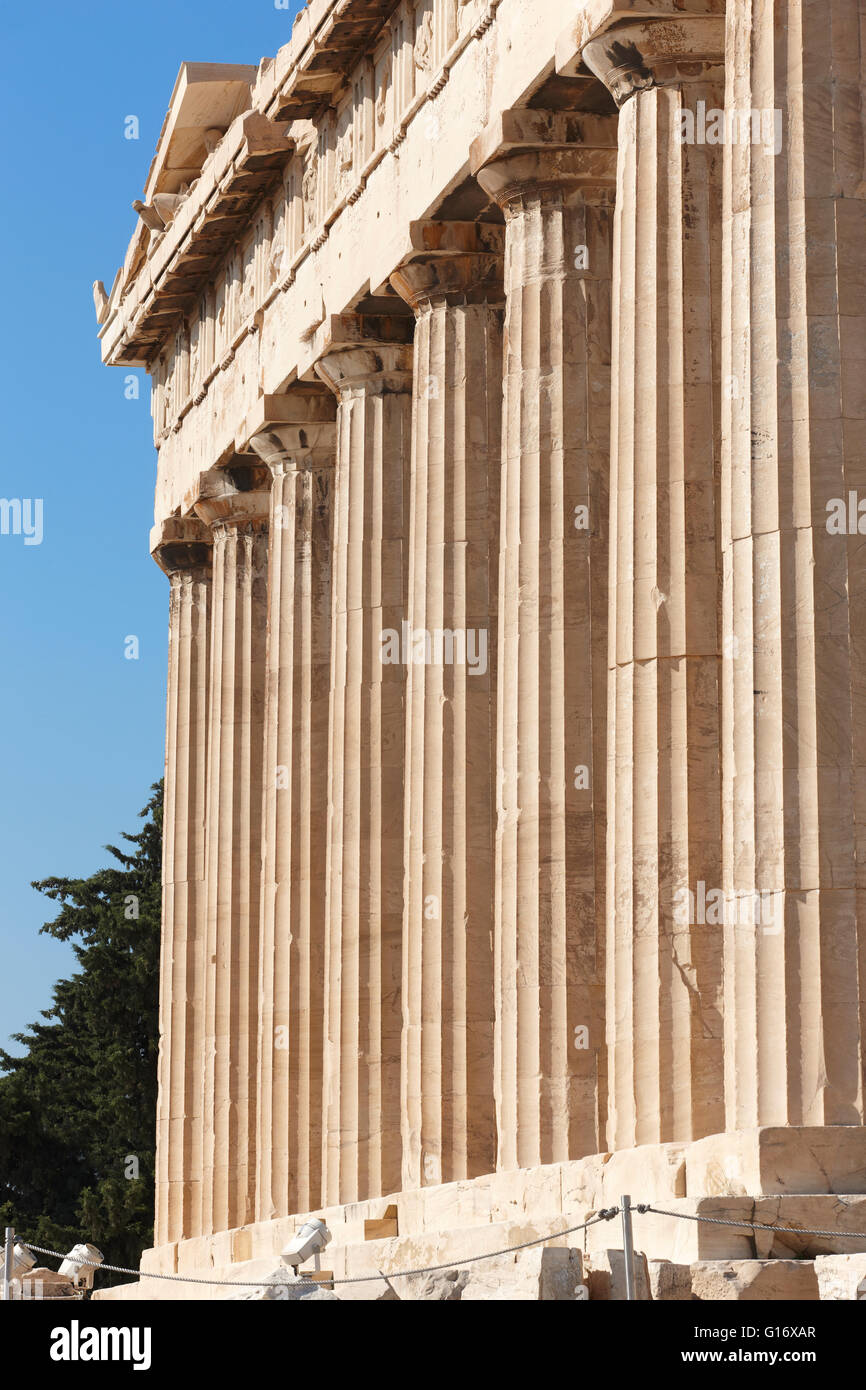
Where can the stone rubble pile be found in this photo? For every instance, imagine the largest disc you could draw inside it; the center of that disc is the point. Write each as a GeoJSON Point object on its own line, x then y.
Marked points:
{"type": "Point", "coordinates": [561, 1276]}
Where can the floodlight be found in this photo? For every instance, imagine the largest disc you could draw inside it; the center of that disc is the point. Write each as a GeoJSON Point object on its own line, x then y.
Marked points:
{"type": "Point", "coordinates": [80, 1265]}
{"type": "Point", "coordinates": [310, 1240]}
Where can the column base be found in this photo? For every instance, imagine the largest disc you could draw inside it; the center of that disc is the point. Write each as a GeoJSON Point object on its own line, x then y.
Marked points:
{"type": "Point", "coordinates": [807, 1177]}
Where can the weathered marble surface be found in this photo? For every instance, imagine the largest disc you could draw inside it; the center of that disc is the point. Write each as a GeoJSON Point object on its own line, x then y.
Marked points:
{"type": "Point", "coordinates": [463, 325]}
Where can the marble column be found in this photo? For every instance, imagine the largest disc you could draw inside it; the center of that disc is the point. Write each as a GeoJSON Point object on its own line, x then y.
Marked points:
{"type": "Point", "coordinates": [298, 445]}
{"type": "Point", "coordinates": [553, 175]}
{"type": "Point", "coordinates": [793, 505]}
{"type": "Point", "coordinates": [234, 503]}
{"type": "Point", "coordinates": [182, 549]}
{"type": "Point", "coordinates": [452, 278]}
{"type": "Point", "coordinates": [367, 362]}
{"type": "Point", "coordinates": [664, 950]}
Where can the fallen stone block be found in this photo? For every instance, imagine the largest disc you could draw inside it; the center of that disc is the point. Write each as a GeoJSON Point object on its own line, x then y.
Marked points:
{"type": "Point", "coordinates": [754, 1280]}
{"type": "Point", "coordinates": [542, 1275]}
{"type": "Point", "coordinates": [669, 1282]}
{"type": "Point", "coordinates": [41, 1283]}
{"type": "Point", "coordinates": [811, 1212]}
{"type": "Point", "coordinates": [389, 1296]}
{"type": "Point", "coordinates": [841, 1277]}
{"type": "Point", "coordinates": [606, 1276]}
{"type": "Point", "coordinates": [445, 1286]}
{"type": "Point", "coordinates": [283, 1286]}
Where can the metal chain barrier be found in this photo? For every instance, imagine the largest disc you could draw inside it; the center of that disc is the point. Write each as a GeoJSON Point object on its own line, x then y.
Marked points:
{"type": "Point", "coordinates": [644, 1208]}
{"type": "Point", "coordinates": [606, 1214]}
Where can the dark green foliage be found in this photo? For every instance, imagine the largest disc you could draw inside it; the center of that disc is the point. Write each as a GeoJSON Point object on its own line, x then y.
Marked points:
{"type": "Point", "coordinates": [81, 1101]}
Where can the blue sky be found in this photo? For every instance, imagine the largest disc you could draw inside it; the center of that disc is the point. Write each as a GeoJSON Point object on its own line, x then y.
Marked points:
{"type": "Point", "coordinates": [81, 725]}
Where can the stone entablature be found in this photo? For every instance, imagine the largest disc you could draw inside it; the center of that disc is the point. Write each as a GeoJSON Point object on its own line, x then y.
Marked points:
{"type": "Point", "coordinates": [304, 251]}
{"type": "Point", "coordinates": [367, 110]}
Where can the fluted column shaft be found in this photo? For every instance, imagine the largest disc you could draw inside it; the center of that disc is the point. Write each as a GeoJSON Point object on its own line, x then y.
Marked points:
{"type": "Point", "coordinates": [664, 964]}
{"type": "Point", "coordinates": [453, 280]}
{"type": "Point", "coordinates": [371, 377]}
{"type": "Point", "coordinates": [183, 550]}
{"type": "Point", "coordinates": [793, 477]}
{"type": "Point", "coordinates": [235, 504]}
{"type": "Point", "coordinates": [553, 175]}
{"type": "Point", "coordinates": [291, 1008]}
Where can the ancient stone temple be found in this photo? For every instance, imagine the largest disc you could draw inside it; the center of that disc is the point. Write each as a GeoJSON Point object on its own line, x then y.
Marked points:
{"type": "Point", "coordinates": [509, 390]}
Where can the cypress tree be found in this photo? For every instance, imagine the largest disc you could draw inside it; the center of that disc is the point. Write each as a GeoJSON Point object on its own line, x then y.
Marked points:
{"type": "Point", "coordinates": [78, 1108]}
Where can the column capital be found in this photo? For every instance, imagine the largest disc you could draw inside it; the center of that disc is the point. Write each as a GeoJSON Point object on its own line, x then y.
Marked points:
{"type": "Point", "coordinates": [302, 403]}
{"type": "Point", "coordinates": [598, 16]}
{"type": "Point", "coordinates": [452, 263]}
{"type": "Point", "coordinates": [293, 431]}
{"type": "Point", "coordinates": [638, 54]}
{"type": "Point", "coordinates": [369, 354]}
{"type": "Point", "coordinates": [527, 153]}
{"type": "Point", "coordinates": [235, 496]}
{"type": "Point", "coordinates": [296, 448]}
{"type": "Point", "coordinates": [181, 544]}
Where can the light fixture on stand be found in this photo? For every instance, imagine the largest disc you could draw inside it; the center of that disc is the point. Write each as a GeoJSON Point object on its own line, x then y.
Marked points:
{"type": "Point", "coordinates": [81, 1264]}
{"type": "Point", "coordinates": [308, 1243]}
{"type": "Point", "coordinates": [16, 1261]}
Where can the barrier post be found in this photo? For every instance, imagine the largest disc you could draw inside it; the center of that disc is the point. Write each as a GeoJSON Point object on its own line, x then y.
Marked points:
{"type": "Point", "coordinates": [7, 1262]}
{"type": "Point", "coordinates": [628, 1247]}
